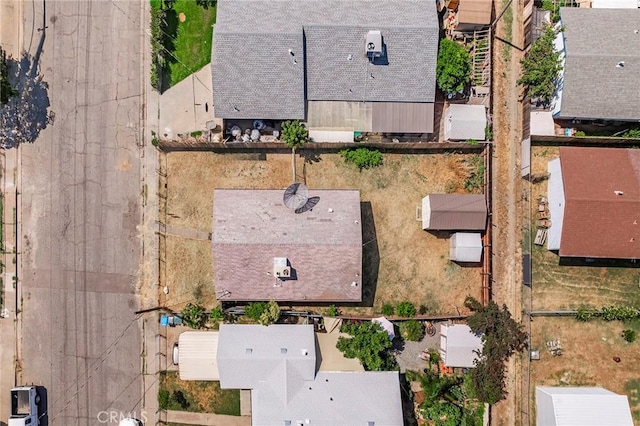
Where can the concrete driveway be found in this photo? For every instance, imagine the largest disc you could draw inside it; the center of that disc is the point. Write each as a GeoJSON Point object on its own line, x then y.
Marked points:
{"type": "Point", "coordinates": [80, 211]}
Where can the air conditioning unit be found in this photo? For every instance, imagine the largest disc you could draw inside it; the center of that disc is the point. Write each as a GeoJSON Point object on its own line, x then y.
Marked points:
{"type": "Point", "coordinates": [281, 268]}
{"type": "Point", "coordinates": [373, 43]}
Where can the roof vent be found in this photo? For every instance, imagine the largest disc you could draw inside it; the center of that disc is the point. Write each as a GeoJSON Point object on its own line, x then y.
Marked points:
{"type": "Point", "coordinates": [304, 352]}
{"type": "Point", "coordinates": [620, 64]}
{"type": "Point", "coordinates": [618, 192]}
{"type": "Point", "coordinates": [373, 44]}
{"type": "Point", "coordinates": [248, 351]}
{"type": "Point", "coordinates": [283, 351]}
{"type": "Point", "coordinates": [281, 268]}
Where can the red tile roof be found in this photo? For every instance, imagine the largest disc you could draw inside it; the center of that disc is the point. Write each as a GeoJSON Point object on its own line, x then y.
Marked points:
{"type": "Point", "coordinates": [598, 222]}
{"type": "Point", "coordinates": [323, 246]}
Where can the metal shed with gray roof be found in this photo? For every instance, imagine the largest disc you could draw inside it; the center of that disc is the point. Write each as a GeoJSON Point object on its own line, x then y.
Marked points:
{"type": "Point", "coordinates": [601, 76]}
{"type": "Point", "coordinates": [454, 212]}
{"type": "Point", "coordinates": [269, 58]}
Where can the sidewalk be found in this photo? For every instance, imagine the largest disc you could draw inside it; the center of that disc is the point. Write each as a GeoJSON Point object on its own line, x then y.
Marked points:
{"type": "Point", "coordinates": [202, 419]}
{"type": "Point", "coordinates": [11, 21]}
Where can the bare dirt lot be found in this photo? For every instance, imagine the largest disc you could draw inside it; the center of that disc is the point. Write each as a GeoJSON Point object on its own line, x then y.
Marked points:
{"type": "Point", "coordinates": [401, 261]}
{"type": "Point", "coordinates": [565, 287]}
{"type": "Point", "coordinates": [587, 359]}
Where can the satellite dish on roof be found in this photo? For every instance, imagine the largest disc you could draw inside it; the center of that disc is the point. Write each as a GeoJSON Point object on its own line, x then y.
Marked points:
{"type": "Point", "coordinates": [295, 196]}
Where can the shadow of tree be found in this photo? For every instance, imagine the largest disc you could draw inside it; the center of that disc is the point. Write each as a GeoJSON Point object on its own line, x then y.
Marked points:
{"type": "Point", "coordinates": [26, 113]}
{"type": "Point", "coordinates": [169, 34]}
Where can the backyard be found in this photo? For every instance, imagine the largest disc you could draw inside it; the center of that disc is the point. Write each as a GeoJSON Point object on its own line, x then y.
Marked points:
{"type": "Point", "coordinates": [587, 356]}
{"type": "Point", "coordinates": [401, 261]}
{"type": "Point", "coordinates": [565, 287]}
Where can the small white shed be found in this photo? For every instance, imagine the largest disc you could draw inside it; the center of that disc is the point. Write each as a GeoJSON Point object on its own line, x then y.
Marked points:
{"type": "Point", "coordinates": [463, 122]}
{"type": "Point", "coordinates": [459, 346]}
{"type": "Point", "coordinates": [465, 247]}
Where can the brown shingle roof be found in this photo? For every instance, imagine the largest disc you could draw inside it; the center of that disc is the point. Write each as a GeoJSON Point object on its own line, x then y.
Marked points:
{"type": "Point", "coordinates": [597, 222]}
{"type": "Point", "coordinates": [455, 212]}
{"type": "Point", "coordinates": [323, 246]}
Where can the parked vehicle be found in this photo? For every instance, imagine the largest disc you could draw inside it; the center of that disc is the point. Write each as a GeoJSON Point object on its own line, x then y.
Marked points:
{"type": "Point", "coordinates": [130, 422]}
{"type": "Point", "coordinates": [24, 406]}
{"type": "Point", "coordinates": [174, 355]}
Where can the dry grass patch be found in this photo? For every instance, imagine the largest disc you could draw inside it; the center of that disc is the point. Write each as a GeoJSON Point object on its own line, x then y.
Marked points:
{"type": "Point", "coordinates": [587, 359]}
{"type": "Point", "coordinates": [401, 261]}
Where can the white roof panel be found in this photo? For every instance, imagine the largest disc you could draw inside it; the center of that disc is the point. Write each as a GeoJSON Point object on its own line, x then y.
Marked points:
{"type": "Point", "coordinates": [459, 345]}
{"type": "Point", "coordinates": [555, 194]}
{"type": "Point", "coordinates": [464, 122]}
{"type": "Point", "coordinates": [584, 406]}
{"type": "Point", "coordinates": [197, 355]}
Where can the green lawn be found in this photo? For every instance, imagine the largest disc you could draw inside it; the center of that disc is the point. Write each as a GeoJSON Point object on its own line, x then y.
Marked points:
{"type": "Point", "coordinates": [188, 41]}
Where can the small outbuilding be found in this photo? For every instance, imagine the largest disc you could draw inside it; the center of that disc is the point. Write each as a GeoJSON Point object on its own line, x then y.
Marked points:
{"type": "Point", "coordinates": [387, 326]}
{"type": "Point", "coordinates": [463, 122]}
{"type": "Point", "coordinates": [465, 247]}
{"type": "Point", "coordinates": [584, 406]}
{"type": "Point", "coordinates": [459, 346]}
{"type": "Point", "coordinates": [454, 212]}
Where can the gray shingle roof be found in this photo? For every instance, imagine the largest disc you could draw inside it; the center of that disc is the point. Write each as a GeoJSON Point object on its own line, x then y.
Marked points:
{"type": "Point", "coordinates": [284, 386]}
{"type": "Point", "coordinates": [254, 75]}
{"type": "Point", "coordinates": [323, 246]}
{"type": "Point", "coordinates": [595, 41]}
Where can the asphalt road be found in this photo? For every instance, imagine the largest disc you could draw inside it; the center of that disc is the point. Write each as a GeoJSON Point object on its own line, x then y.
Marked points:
{"type": "Point", "coordinates": [80, 209]}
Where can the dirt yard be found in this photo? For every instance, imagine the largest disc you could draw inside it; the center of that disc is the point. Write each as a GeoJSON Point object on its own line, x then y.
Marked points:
{"type": "Point", "coordinates": [564, 287]}
{"type": "Point", "coordinates": [401, 262]}
{"type": "Point", "coordinates": [587, 359]}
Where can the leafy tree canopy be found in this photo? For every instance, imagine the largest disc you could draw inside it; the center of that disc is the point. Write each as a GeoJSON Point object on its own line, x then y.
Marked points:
{"type": "Point", "coordinates": [541, 67]}
{"type": "Point", "coordinates": [294, 134]}
{"type": "Point", "coordinates": [369, 343]}
{"type": "Point", "coordinates": [363, 158]}
{"type": "Point", "coordinates": [453, 69]}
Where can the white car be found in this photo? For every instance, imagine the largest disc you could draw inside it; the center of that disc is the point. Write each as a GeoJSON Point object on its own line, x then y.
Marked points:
{"type": "Point", "coordinates": [174, 355]}
{"type": "Point", "coordinates": [130, 422]}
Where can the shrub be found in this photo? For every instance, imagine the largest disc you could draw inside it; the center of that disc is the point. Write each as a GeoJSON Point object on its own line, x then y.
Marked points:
{"type": "Point", "coordinates": [217, 314]}
{"type": "Point", "coordinates": [632, 133]}
{"type": "Point", "coordinates": [453, 68]}
{"type": "Point", "coordinates": [255, 309]}
{"type": "Point", "coordinates": [270, 314]}
{"type": "Point", "coordinates": [629, 335]}
{"type": "Point", "coordinates": [194, 315]}
{"type": "Point", "coordinates": [163, 399]}
{"type": "Point", "coordinates": [333, 311]}
{"type": "Point", "coordinates": [157, 34]}
{"type": "Point", "coordinates": [363, 158]}
{"type": "Point", "coordinates": [585, 314]}
{"type": "Point", "coordinates": [387, 310]}
{"type": "Point", "coordinates": [580, 133]}
{"type": "Point", "coordinates": [406, 309]}
{"type": "Point", "coordinates": [412, 330]}
{"type": "Point", "coordinates": [180, 399]}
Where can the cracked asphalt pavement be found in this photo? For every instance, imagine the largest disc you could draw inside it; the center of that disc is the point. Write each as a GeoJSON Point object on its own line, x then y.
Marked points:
{"type": "Point", "coordinates": [80, 211]}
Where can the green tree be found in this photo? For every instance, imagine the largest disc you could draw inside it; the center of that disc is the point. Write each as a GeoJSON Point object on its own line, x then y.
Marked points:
{"type": "Point", "coordinates": [453, 69]}
{"type": "Point", "coordinates": [629, 335]}
{"type": "Point", "coordinates": [412, 330]}
{"type": "Point", "coordinates": [163, 399]}
{"type": "Point", "coordinates": [294, 134]}
{"type": "Point", "coordinates": [6, 89]}
{"type": "Point", "coordinates": [363, 158]}
{"type": "Point", "coordinates": [194, 315]}
{"type": "Point", "coordinates": [271, 313]}
{"type": "Point", "coordinates": [502, 336]}
{"type": "Point", "coordinates": [369, 343]}
{"type": "Point", "coordinates": [541, 67]}
{"type": "Point", "coordinates": [333, 311]}
{"type": "Point", "coordinates": [406, 309]}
